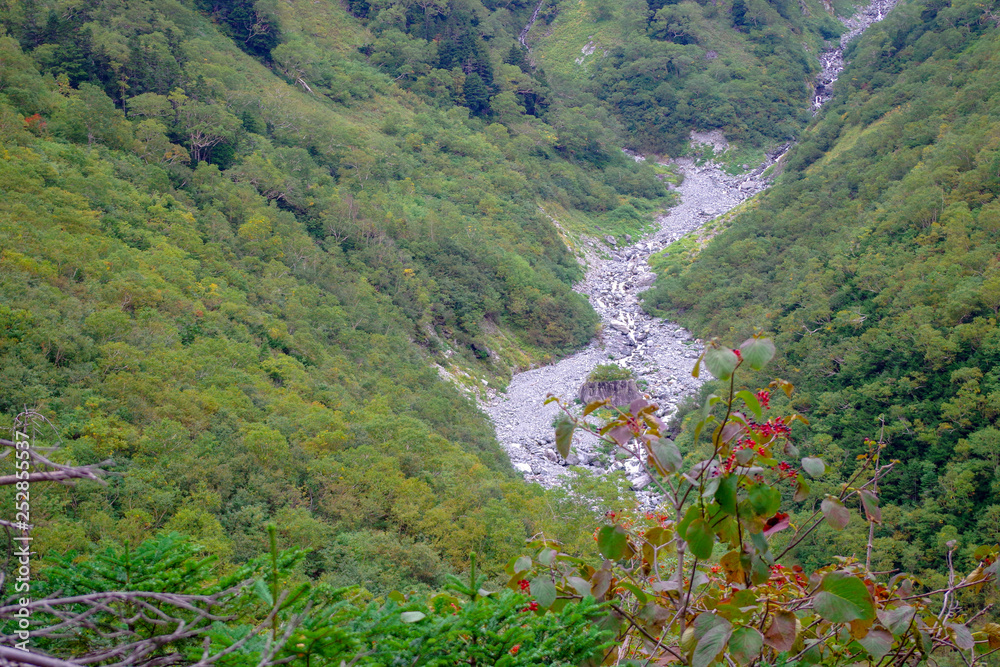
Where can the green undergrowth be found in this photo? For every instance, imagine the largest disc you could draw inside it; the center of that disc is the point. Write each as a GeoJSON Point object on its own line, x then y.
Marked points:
{"type": "Point", "coordinates": [609, 373]}
{"type": "Point", "coordinates": [683, 252]}
{"type": "Point", "coordinates": [735, 160]}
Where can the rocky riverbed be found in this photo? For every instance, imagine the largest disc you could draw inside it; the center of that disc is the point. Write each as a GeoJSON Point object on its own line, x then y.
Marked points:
{"type": "Point", "coordinates": [660, 354]}
{"type": "Point", "coordinates": [832, 60]}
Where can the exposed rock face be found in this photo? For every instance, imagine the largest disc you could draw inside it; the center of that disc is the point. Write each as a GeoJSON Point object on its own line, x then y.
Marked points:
{"type": "Point", "coordinates": [620, 392]}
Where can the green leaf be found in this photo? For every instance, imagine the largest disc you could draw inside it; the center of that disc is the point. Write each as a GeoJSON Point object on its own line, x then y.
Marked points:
{"type": "Point", "coordinates": [815, 467]}
{"type": "Point", "coordinates": [658, 536]}
{"type": "Point", "coordinates": [869, 501]}
{"type": "Point", "coordinates": [814, 653]}
{"type": "Point", "coordinates": [752, 403]}
{"type": "Point", "coordinates": [878, 643]}
{"type": "Point", "coordinates": [593, 405]}
{"type": "Point", "coordinates": [640, 595]}
{"type": "Point", "coordinates": [760, 570]}
{"type": "Point", "coordinates": [396, 596]}
{"type": "Point", "coordinates": [580, 585]}
{"type": "Point", "coordinates": [564, 435]}
{"type": "Point", "coordinates": [757, 352]}
{"type": "Point", "coordinates": [721, 361]}
{"type": "Point", "coordinates": [801, 489]}
{"type": "Point", "coordinates": [983, 551]}
{"type": "Point", "coordinates": [547, 556]}
{"type": "Point", "coordinates": [780, 635]}
{"type": "Point", "coordinates": [713, 640]}
{"type": "Point", "coordinates": [843, 598]}
{"type": "Point", "coordinates": [726, 494]}
{"type": "Point", "coordinates": [765, 500]}
{"type": "Point", "coordinates": [897, 620]}
{"type": "Point", "coordinates": [760, 545]}
{"type": "Point", "coordinates": [835, 512]}
{"type": "Point", "coordinates": [745, 644]}
{"type": "Point", "coordinates": [523, 564]}
{"type": "Point", "coordinates": [696, 372]}
{"type": "Point", "coordinates": [700, 538]}
{"type": "Point", "coordinates": [612, 542]}
{"type": "Point", "coordinates": [666, 456]}
{"type": "Point", "coordinates": [544, 591]}
{"type": "Point", "coordinates": [412, 616]}
{"type": "Point", "coordinates": [693, 512]}
{"type": "Point", "coordinates": [709, 403]}
{"type": "Point", "coordinates": [963, 636]}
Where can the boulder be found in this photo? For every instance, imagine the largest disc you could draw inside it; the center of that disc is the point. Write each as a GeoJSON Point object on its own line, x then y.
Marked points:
{"type": "Point", "coordinates": [620, 392]}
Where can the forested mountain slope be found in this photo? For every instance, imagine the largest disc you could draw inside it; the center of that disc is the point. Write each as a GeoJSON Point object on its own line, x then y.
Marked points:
{"type": "Point", "coordinates": [663, 67]}
{"type": "Point", "coordinates": [875, 261]}
{"type": "Point", "coordinates": [232, 248]}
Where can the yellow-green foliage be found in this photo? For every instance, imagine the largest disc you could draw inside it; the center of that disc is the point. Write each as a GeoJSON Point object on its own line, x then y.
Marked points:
{"type": "Point", "coordinates": [235, 287]}
{"type": "Point", "coordinates": [665, 68]}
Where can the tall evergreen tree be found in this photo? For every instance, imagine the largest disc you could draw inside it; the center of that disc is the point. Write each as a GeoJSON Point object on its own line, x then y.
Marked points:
{"type": "Point", "coordinates": [516, 56]}
{"type": "Point", "coordinates": [476, 94]}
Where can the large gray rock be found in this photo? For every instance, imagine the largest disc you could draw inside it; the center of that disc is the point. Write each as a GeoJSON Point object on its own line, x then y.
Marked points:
{"type": "Point", "coordinates": [620, 392]}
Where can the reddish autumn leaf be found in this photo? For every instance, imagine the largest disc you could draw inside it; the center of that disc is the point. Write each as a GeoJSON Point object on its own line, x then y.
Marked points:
{"type": "Point", "coordinates": [775, 524]}
{"type": "Point", "coordinates": [780, 635]}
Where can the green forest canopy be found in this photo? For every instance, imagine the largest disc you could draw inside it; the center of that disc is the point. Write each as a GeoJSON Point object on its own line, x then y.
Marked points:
{"type": "Point", "coordinates": [874, 259]}
{"type": "Point", "coordinates": [231, 269]}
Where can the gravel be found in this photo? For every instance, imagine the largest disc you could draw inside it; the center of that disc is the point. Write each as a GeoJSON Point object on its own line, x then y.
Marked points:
{"type": "Point", "coordinates": [659, 352]}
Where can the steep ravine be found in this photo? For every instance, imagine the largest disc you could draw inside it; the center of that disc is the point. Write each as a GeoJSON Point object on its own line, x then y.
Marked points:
{"type": "Point", "coordinates": [524, 31]}
{"type": "Point", "coordinates": [659, 353]}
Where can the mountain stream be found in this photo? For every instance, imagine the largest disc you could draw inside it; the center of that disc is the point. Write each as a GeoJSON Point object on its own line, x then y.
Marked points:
{"type": "Point", "coordinates": [659, 353]}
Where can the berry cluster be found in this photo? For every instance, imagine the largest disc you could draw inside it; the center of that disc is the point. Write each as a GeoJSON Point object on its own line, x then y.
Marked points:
{"type": "Point", "coordinates": [771, 428]}
{"type": "Point", "coordinates": [781, 575]}
{"type": "Point", "coordinates": [659, 518]}
{"type": "Point", "coordinates": [764, 397]}
{"type": "Point", "coordinates": [786, 471]}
